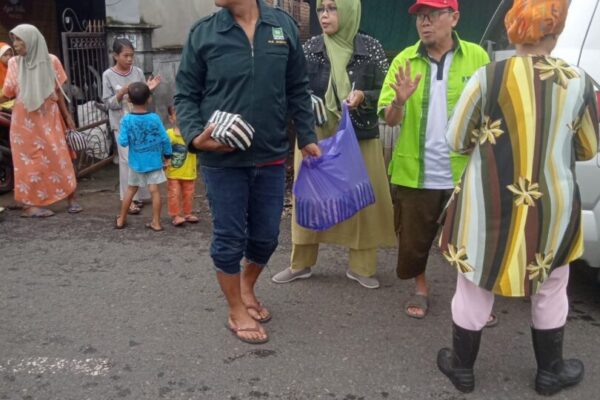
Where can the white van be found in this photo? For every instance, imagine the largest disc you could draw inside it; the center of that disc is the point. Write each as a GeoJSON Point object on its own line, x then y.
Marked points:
{"type": "Point", "coordinates": [579, 44]}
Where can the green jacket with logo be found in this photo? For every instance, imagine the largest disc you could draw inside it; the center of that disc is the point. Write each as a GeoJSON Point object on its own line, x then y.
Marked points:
{"type": "Point", "coordinates": [407, 166]}
{"type": "Point", "coordinates": [262, 81]}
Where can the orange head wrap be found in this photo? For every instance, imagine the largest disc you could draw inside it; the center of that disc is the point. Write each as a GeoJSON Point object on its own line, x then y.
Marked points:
{"type": "Point", "coordinates": [528, 21]}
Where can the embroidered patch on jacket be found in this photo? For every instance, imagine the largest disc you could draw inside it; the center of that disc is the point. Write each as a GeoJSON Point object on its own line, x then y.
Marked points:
{"type": "Point", "coordinates": [278, 34]}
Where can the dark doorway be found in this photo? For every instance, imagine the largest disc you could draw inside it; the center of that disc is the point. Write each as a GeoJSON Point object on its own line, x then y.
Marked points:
{"type": "Point", "coordinates": [85, 10]}
{"type": "Point", "coordinates": [73, 15]}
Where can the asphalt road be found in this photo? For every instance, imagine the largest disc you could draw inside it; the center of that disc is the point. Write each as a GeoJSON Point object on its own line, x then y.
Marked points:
{"type": "Point", "coordinates": [88, 312]}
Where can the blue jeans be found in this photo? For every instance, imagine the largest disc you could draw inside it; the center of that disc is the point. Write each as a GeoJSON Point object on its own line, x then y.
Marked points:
{"type": "Point", "coordinates": [246, 205]}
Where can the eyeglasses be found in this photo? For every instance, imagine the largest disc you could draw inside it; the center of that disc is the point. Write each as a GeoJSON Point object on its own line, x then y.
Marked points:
{"type": "Point", "coordinates": [432, 16]}
{"type": "Point", "coordinates": [329, 10]}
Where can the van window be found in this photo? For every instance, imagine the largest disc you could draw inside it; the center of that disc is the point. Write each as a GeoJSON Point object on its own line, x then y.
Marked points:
{"type": "Point", "coordinates": [590, 55]}
{"type": "Point", "coordinates": [570, 42]}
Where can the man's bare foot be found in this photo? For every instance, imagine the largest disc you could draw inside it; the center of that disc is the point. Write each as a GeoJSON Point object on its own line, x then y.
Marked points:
{"type": "Point", "coordinates": [254, 307]}
{"type": "Point", "coordinates": [246, 328]}
{"type": "Point", "coordinates": [417, 306]}
{"type": "Point", "coordinates": [259, 313]}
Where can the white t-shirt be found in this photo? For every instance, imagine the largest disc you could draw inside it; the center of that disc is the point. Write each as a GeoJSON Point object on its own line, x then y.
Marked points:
{"type": "Point", "coordinates": [438, 174]}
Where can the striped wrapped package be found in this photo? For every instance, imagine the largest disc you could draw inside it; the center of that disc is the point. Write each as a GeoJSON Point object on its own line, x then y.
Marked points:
{"type": "Point", "coordinates": [231, 130]}
{"type": "Point", "coordinates": [319, 110]}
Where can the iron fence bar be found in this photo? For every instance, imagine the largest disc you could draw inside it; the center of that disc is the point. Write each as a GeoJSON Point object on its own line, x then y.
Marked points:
{"type": "Point", "coordinates": [84, 55]}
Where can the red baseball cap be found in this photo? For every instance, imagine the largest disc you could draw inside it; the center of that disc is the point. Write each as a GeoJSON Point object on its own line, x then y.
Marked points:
{"type": "Point", "coordinates": [453, 4]}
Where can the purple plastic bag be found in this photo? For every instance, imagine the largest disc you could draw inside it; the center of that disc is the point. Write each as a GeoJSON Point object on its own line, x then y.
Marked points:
{"type": "Point", "coordinates": [332, 188]}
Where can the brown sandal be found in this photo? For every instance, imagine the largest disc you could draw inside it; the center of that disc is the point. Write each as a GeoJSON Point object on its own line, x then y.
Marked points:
{"type": "Point", "coordinates": [258, 311]}
{"type": "Point", "coordinates": [236, 331]}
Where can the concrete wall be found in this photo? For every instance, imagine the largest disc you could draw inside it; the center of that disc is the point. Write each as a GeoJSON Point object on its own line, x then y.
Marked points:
{"type": "Point", "coordinates": [175, 18]}
{"type": "Point", "coordinates": [166, 63]}
{"type": "Point", "coordinates": [124, 11]}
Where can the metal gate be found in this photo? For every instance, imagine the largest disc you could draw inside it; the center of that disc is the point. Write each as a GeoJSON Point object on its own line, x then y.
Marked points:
{"type": "Point", "coordinates": [85, 56]}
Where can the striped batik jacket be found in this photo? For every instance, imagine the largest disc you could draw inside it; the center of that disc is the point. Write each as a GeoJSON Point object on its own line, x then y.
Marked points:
{"type": "Point", "coordinates": [516, 213]}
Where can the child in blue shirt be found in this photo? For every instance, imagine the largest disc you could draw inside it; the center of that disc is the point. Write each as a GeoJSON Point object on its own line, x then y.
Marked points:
{"type": "Point", "coordinates": [149, 149]}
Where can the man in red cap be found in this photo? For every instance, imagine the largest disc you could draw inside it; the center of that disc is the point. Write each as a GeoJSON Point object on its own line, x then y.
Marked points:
{"type": "Point", "coordinates": [422, 85]}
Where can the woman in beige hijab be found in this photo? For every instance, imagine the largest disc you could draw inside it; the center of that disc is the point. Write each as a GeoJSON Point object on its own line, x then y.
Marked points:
{"type": "Point", "coordinates": [44, 171]}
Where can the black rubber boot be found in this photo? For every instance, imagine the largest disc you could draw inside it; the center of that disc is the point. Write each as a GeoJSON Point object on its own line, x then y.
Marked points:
{"type": "Point", "coordinates": [553, 373]}
{"type": "Point", "coordinates": [457, 363]}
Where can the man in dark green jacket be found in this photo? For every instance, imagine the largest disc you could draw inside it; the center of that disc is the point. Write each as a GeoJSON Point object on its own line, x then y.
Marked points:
{"type": "Point", "coordinates": [245, 59]}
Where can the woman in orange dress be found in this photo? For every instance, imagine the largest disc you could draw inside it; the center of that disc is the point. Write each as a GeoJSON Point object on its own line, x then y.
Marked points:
{"type": "Point", "coordinates": [44, 172]}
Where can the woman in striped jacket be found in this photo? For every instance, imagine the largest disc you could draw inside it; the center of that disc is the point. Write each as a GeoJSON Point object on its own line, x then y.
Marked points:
{"type": "Point", "coordinates": [513, 224]}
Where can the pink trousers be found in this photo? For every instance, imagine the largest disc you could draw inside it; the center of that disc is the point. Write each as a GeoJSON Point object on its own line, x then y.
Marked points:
{"type": "Point", "coordinates": [472, 305]}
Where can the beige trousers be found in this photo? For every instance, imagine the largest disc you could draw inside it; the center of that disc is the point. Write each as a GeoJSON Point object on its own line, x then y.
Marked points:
{"type": "Point", "coordinates": [362, 262]}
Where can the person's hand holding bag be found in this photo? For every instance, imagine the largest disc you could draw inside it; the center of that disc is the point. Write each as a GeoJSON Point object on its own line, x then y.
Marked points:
{"type": "Point", "coordinates": [312, 150]}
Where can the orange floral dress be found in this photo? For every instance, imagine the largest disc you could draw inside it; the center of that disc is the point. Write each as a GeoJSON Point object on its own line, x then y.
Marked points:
{"type": "Point", "coordinates": [44, 172]}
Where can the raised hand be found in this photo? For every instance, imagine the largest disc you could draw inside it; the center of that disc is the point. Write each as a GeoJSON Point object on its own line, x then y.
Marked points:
{"type": "Point", "coordinates": [404, 85]}
{"type": "Point", "coordinates": [153, 82]}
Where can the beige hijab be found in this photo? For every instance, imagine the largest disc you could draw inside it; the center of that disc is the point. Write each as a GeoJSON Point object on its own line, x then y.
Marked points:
{"type": "Point", "coordinates": [37, 79]}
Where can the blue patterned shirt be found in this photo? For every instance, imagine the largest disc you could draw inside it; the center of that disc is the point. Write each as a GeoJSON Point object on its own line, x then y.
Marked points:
{"type": "Point", "coordinates": [147, 140]}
